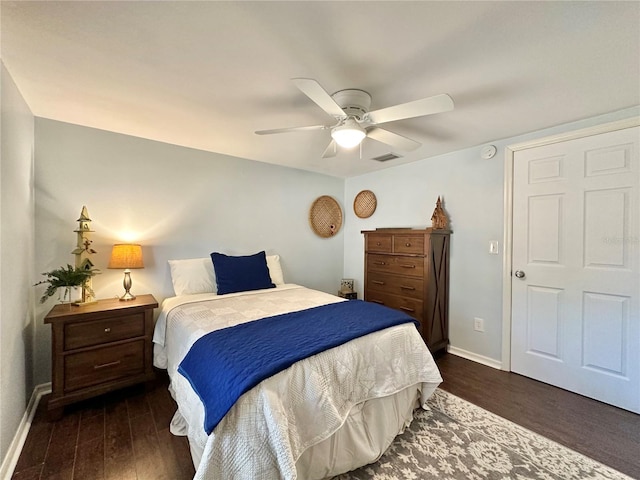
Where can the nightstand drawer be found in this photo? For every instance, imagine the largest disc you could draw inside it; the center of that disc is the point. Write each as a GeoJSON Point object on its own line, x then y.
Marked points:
{"type": "Point", "coordinates": [102, 365]}
{"type": "Point", "coordinates": [86, 334]}
{"type": "Point", "coordinates": [404, 286]}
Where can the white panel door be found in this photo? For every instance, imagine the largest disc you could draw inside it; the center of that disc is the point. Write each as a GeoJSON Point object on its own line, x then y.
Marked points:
{"type": "Point", "coordinates": [576, 266]}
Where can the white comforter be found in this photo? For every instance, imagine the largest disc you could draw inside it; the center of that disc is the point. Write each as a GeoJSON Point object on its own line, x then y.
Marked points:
{"type": "Point", "coordinates": [270, 426]}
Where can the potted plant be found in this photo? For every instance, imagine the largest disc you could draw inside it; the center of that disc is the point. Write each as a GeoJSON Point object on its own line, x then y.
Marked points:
{"type": "Point", "coordinates": [64, 277]}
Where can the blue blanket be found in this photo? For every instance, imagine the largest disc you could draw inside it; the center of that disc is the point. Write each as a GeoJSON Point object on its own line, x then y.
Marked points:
{"type": "Point", "coordinates": [224, 364]}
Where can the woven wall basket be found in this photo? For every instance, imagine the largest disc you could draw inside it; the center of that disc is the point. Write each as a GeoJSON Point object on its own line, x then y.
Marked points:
{"type": "Point", "coordinates": [325, 216]}
{"type": "Point", "coordinates": [365, 204]}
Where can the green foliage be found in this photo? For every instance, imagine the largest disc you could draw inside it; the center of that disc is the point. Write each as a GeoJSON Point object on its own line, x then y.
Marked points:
{"type": "Point", "coordinates": [64, 277]}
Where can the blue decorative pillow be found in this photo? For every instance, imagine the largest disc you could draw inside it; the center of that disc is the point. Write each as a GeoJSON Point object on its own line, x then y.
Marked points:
{"type": "Point", "coordinates": [239, 274]}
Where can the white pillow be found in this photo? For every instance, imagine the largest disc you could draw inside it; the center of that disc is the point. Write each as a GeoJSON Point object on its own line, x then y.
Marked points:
{"type": "Point", "coordinates": [275, 270]}
{"type": "Point", "coordinates": [194, 275]}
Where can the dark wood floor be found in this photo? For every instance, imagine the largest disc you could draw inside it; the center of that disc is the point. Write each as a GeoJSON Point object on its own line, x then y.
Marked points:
{"type": "Point", "coordinates": [126, 435]}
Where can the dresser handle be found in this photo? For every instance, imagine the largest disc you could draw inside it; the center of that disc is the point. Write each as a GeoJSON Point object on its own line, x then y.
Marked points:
{"type": "Point", "coordinates": [105, 365]}
{"type": "Point", "coordinates": [107, 330]}
{"type": "Point", "coordinates": [407, 309]}
{"type": "Point", "coordinates": [407, 244]}
{"type": "Point", "coordinates": [408, 266]}
{"type": "Point", "coordinates": [407, 287]}
{"type": "Point", "coordinates": [379, 263]}
{"type": "Point", "coordinates": [377, 282]}
{"type": "Point", "coordinates": [378, 301]}
{"type": "Point", "coordinates": [378, 244]}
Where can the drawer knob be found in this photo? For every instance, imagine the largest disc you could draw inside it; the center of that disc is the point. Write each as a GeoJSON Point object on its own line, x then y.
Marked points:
{"type": "Point", "coordinates": [378, 244]}
{"type": "Point", "coordinates": [378, 301]}
{"type": "Point", "coordinates": [107, 330]}
{"type": "Point", "coordinates": [407, 309]}
{"type": "Point", "coordinates": [379, 263]}
{"type": "Point", "coordinates": [407, 244]}
{"type": "Point", "coordinates": [407, 287]}
{"type": "Point", "coordinates": [408, 266]}
{"type": "Point", "coordinates": [106, 365]}
{"type": "Point", "coordinates": [377, 282]}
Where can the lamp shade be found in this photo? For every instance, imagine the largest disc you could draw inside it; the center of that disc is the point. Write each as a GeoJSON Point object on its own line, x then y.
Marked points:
{"type": "Point", "coordinates": [349, 134]}
{"type": "Point", "coordinates": [126, 255]}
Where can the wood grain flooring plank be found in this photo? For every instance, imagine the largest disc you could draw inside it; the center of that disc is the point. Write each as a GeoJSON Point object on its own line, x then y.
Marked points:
{"type": "Point", "coordinates": [117, 432]}
{"type": "Point", "coordinates": [162, 407]}
{"type": "Point", "coordinates": [118, 456]}
{"type": "Point", "coordinates": [89, 464]}
{"type": "Point", "coordinates": [91, 427]}
{"type": "Point", "coordinates": [31, 473]}
{"type": "Point", "coordinates": [176, 455]}
{"type": "Point", "coordinates": [120, 469]}
{"type": "Point", "coordinates": [146, 449]}
{"type": "Point", "coordinates": [138, 405]}
{"type": "Point", "coordinates": [60, 457]}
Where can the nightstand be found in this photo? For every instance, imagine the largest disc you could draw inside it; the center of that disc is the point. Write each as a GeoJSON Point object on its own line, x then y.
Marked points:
{"type": "Point", "coordinates": [99, 347]}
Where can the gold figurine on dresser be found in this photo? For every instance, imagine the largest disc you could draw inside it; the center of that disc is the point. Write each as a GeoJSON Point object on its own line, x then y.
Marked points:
{"type": "Point", "coordinates": [408, 269]}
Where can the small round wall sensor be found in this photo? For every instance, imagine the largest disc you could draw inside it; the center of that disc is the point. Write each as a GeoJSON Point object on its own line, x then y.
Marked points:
{"type": "Point", "coordinates": [488, 151]}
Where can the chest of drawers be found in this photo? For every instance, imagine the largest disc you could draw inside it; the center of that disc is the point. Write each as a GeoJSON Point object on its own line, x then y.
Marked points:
{"type": "Point", "coordinates": [408, 269]}
{"type": "Point", "coordinates": [99, 347]}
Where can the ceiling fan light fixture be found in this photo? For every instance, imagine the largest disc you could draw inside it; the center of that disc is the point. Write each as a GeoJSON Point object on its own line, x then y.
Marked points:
{"type": "Point", "coordinates": [349, 134]}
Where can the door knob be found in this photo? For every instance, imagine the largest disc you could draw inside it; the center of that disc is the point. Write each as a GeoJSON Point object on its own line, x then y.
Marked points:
{"type": "Point", "coordinates": [519, 274]}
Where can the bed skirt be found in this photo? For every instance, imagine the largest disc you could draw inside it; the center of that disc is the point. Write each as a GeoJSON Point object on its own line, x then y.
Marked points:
{"type": "Point", "coordinates": [366, 434]}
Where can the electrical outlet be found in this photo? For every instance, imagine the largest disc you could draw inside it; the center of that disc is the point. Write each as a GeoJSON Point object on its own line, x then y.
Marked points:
{"type": "Point", "coordinates": [478, 324]}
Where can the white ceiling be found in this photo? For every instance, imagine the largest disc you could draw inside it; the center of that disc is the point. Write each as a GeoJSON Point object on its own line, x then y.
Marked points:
{"type": "Point", "coordinates": [208, 74]}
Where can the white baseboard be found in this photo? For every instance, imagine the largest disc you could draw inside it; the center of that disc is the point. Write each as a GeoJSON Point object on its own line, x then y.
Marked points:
{"type": "Point", "coordinates": [474, 357]}
{"type": "Point", "coordinates": [13, 453]}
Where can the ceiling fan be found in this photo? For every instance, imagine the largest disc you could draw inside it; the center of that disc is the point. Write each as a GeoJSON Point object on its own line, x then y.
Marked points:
{"type": "Point", "coordinates": [354, 121]}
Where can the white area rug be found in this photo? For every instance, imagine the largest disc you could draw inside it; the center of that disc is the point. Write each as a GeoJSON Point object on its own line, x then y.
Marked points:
{"type": "Point", "coordinates": [455, 439]}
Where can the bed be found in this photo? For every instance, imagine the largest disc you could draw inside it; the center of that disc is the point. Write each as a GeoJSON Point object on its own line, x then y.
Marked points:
{"type": "Point", "coordinates": [324, 415]}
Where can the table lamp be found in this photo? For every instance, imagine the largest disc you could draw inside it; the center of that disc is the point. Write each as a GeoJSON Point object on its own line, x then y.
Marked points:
{"type": "Point", "coordinates": [127, 256]}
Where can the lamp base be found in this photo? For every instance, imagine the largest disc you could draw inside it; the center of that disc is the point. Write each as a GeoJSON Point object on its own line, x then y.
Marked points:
{"type": "Point", "coordinates": [127, 285]}
{"type": "Point", "coordinates": [127, 296]}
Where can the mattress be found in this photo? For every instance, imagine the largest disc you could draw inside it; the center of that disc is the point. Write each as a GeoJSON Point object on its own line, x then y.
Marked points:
{"type": "Point", "coordinates": [322, 416]}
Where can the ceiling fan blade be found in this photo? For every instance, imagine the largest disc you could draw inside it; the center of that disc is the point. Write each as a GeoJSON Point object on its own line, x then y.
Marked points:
{"type": "Point", "coordinates": [417, 108]}
{"type": "Point", "coordinates": [393, 139]}
{"type": "Point", "coordinates": [319, 95]}
{"type": "Point", "coordinates": [291, 129]}
{"type": "Point", "coordinates": [331, 150]}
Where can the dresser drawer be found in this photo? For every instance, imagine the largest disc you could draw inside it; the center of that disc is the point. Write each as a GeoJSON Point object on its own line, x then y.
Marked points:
{"type": "Point", "coordinates": [378, 243]}
{"type": "Point", "coordinates": [86, 334]}
{"type": "Point", "coordinates": [102, 365]}
{"type": "Point", "coordinates": [408, 244]}
{"type": "Point", "coordinates": [398, 285]}
{"type": "Point", "coordinates": [411, 266]}
{"type": "Point", "coordinates": [411, 306]}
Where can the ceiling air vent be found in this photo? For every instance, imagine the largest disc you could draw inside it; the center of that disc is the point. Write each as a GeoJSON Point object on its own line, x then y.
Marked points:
{"type": "Point", "coordinates": [386, 157]}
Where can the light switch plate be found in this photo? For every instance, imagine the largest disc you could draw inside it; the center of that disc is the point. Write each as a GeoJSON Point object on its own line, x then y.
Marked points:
{"type": "Point", "coordinates": [494, 247]}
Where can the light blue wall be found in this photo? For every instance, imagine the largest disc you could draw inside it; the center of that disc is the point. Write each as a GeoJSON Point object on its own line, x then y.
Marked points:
{"type": "Point", "coordinates": [473, 193]}
{"type": "Point", "coordinates": [178, 203]}
{"type": "Point", "coordinates": [16, 259]}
